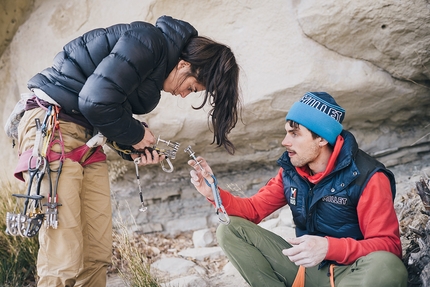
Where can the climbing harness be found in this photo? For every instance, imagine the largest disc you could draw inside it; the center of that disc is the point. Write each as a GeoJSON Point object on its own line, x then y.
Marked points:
{"type": "Point", "coordinates": [169, 153]}
{"type": "Point", "coordinates": [222, 216]}
{"type": "Point", "coordinates": [28, 223]}
{"type": "Point", "coordinates": [37, 162]}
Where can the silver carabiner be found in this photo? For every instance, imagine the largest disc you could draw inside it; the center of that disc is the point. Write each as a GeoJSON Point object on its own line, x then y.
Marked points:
{"type": "Point", "coordinates": [170, 154]}
{"type": "Point", "coordinates": [223, 216]}
{"type": "Point", "coordinates": [169, 163]}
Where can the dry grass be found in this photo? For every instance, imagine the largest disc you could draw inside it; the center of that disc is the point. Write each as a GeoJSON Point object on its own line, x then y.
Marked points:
{"type": "Point", "coordinates": [130, 257]}
{"type": "Point", "coordinates": [17, 254]}
{"type": "Point", "coordinates": [150, 248]}
{"type": "Point", "coordinates": [129, 260]}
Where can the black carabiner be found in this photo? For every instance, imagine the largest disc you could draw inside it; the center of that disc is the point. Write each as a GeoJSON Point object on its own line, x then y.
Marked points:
{"type": "Point", "coordinates": [37, 172]}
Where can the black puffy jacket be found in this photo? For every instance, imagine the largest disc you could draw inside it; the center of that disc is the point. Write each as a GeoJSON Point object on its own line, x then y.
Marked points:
{"type": "Point", "coordinates": [107, 75]}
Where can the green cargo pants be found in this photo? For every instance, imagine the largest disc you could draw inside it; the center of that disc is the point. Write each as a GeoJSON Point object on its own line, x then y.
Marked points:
{"type": "Point", "coordinates": [257, 255]}
{"type": "Point", "coordinates": [78, 252]}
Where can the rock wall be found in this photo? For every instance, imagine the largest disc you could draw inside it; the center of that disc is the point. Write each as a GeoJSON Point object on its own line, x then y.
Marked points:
{"type": "Point", "coordinates": [13, 14]}
{"type": "Point", "coordinates": [372, 56]}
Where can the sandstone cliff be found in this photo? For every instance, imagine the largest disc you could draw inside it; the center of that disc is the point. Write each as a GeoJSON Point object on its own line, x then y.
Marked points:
{"type": "Point", "coordinates": [372, 56]}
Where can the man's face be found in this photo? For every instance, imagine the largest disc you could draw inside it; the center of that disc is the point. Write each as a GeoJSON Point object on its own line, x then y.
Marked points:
{"type": "Point", "coordinates": [302, 148]}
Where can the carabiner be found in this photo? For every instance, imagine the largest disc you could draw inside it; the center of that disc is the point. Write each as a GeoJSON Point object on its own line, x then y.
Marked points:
{"type": "Point", "coordinates": [223, 216]}
{"type": "Point", "coordinates": [169, 163]}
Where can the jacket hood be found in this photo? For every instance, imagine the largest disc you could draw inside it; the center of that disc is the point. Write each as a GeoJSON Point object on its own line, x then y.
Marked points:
{"type": "Point", "coordinates": [177, 33]}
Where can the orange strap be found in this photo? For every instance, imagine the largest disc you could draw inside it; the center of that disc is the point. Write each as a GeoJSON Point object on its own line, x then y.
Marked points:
{"type": "Point", "coordinates": [332, 275]}
{"type": "Point", "coordinates": [299, 281]}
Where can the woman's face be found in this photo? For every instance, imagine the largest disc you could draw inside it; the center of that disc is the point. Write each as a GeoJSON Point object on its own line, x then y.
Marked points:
{"type": "Point", "coordinates": [178, 83]}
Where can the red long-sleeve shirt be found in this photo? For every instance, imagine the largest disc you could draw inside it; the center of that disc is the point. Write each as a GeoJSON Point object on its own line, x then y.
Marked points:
{"type": "Point", "coordinates": [376, 215]}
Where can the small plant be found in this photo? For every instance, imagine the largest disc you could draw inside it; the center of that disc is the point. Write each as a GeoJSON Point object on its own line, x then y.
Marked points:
{"type": "Point", "coordinates": [18, 255]}
{"type": "Point", "coordinates": [129, 257]}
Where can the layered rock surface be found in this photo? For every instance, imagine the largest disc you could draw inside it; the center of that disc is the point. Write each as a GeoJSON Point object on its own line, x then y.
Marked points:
{"type": "Point", "coordinates": [371, 56]}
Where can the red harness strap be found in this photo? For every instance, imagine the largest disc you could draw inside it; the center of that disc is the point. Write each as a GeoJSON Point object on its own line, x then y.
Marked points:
{"type": "Point", "coordinates": [83, 154]}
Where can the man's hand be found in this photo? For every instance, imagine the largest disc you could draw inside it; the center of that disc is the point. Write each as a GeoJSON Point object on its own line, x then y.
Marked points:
{"type": "Point", "coordinates": [307, 250]}
{"type": "Point", "coordinates": [198, 177]}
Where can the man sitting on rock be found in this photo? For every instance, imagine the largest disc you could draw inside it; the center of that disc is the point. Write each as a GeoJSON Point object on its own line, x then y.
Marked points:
{"type": "Point", "coordinates": [342, 205]}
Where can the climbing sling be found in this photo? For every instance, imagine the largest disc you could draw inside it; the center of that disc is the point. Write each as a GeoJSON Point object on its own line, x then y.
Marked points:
{"type": "Point", "coordinates": [299, 281]}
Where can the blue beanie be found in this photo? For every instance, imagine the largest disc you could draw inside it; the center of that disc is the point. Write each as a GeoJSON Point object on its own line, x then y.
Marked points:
{"type": "Point", "coordinates": [318, 112]}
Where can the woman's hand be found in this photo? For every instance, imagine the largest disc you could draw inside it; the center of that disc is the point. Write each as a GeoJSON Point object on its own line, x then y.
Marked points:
{"type": "Point", "coordinates": [147, 141]}
{"type": "Point", "coordinates": [147, 155]}
{"type": "Point", "coordinates": [198, 177]}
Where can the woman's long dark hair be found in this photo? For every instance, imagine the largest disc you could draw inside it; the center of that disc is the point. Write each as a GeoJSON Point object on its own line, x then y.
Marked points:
{"type": "Point", "coordinates": [214, 66]}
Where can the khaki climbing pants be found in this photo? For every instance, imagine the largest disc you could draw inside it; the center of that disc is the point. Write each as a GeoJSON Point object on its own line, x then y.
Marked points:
{"type": "Point", "coordinates": [78, 252]}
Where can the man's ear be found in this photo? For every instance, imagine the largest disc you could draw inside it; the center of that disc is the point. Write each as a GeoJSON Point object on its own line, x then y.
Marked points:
{"type": "Point", "coordinates": [322, 142]}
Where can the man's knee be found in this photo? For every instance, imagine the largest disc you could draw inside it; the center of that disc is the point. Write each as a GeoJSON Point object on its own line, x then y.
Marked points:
{"type": "Point", "coordinates": [224, 232]}
{"type": "Point", "coordinates": [384, 269]}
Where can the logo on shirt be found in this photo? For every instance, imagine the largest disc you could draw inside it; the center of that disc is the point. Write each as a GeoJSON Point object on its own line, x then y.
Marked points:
{"type": "Point", "coordinates": [335, 199]}
{"type": "Point", "coordinates": [293, 192]}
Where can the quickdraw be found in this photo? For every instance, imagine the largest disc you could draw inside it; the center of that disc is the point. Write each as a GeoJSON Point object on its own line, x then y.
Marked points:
{"type": "Point", "coordinates": [219, 207]}
{"type": "Point", "coordinates": [142, 208]}
{"type": "Point", "coordinates": [52, 204]}
{"type": "Point", "coordinates": [169, 153]}
{"type": "Point", "coordinates": [28, 223]}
